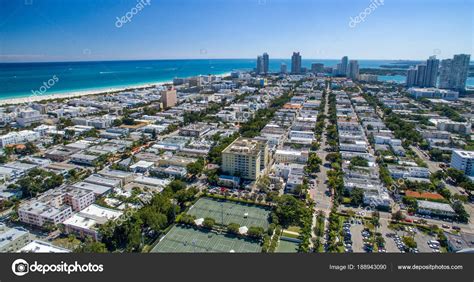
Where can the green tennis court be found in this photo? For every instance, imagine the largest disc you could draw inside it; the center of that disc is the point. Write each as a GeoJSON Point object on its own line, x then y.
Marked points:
{"type": "Point", "coordinates": [181, 239]}
{"type": "Point", "coordinates": [285, 246]}
{"type": "Point", "coordinates": [225, 212]}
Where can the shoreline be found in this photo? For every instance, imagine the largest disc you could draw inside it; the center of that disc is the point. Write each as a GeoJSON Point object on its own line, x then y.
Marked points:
{"type": "Point", "coordinates": [92, 92]}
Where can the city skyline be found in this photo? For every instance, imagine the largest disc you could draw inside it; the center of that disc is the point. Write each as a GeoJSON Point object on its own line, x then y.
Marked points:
{"type": "Point", "coordinates": [50, 30]}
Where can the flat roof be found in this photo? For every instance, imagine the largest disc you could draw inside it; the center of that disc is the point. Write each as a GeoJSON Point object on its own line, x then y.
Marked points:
{"type": "Point", "coordinates": [289, 152]}
{"type": "Point", "coordinates": [151, 181]}
{"type": "Point", "coordinates": [465, 154]}
{"type": "Point", "coordinates": [93, 214]}
{"type": "Point", "coordinates": [42, 247]}
{"type": "Point", "coordinates": [10, 235]}
{"type": "Point", "coordinates": [97, 189]}
{"type": "Point", "coordinates": [99, 179]}
{"type": "Point", "coordinates": [435, 206]}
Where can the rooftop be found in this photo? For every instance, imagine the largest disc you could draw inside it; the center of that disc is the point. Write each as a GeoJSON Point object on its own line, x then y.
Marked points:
{"type": "Point", "coordinates": [42, 247]}
{"type": "Point", "coordinates": [243, 146]}
{"type": "Point", "coordinates": [465, 154]}
{"type": "Point", "coordinates": [435, 206]}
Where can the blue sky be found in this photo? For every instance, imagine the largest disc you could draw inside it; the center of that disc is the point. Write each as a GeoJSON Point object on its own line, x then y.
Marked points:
{"type": "Point", "coordinates": [71, 30]}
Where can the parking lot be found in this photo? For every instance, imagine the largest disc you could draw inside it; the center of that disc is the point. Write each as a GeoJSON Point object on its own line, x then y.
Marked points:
{"type": "Point", "coordinates": [357, 239]}
{"type": "Point", "coordinates": [422, 240]}
{"type": "Point", "coordinates": [394, 242]}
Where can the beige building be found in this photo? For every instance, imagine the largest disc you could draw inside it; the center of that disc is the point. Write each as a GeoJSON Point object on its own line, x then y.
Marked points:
{"type": "Point", "coordinates": [169, 98]}
{"type": "Point", "coordinates": [246, 158]}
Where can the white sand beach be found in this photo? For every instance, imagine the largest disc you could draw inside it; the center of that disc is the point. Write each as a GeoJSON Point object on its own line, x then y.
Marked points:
{"type": "Point", "coordinates": [37, 98]}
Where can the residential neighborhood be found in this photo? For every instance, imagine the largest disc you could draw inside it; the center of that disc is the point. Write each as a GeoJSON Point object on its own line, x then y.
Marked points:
{"type": "Point", "coordinates": [327, 163]}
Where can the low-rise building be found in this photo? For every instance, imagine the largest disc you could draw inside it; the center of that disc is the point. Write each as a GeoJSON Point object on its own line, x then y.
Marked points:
{"type": "Point", "coordinates": [445, 94]}
{"type": "Point", "coordinates": [19, 137]}
{"type": "Point", "coordinates": [459, 243]}
{"type": "Point", "coordinates": [38, 246]}
{"type": "Point", "coordinates": [103, 181]}
{"type": "Point", "coordinates": [85, 159]}
{"type": "Point", "coordinates": [77, 198]}
{"type": "Point", "coordinates": [408, 171]}
{"type": "Point", "coordinates": [60, 153]}
{"type": "Point", "coordinates": [195, 130]}
{"type": "Point", "coordinates": [12, 239]}
{"type": "Point", "coordinates": [291, 156]}
{"type": "Point", "coordinates": [86, 222]}
{"type": "Point", "coordinates": [452, 126]}
{"type": "Point", "coordinates": [36, 212]}
{"type": "Point", "coordinates": [435, 208]}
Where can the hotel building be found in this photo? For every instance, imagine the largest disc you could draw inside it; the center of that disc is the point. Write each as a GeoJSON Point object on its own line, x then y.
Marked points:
{"type": "Point", "coordinates": [168, 98]}
{"type": "Point", "coordinates": [245, 158]}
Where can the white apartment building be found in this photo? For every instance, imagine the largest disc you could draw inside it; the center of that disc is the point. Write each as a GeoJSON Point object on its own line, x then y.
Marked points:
{"type": "Point", "coordinates": [290, 156]}
{"type": "Point", "coordinates": [416, 93]}
{"type": "Point", "coordinates": [12, 239]}
{"type": "Point", "coordinates": [463, 160]}
{"type": "Point", "coordinates": [301, 137]}
{"type": "Point", "coordinates": [55, 205]}
{"type": "Point", "coordinates": [38, 213]}
{"type": "Point", "coordinates": [78, 198]}
{"type": "Point", "coordinates": [28, 117]}
{"type": "Point", "coordinates": [408, 171]}
{"type": "Point", "coordinates": [85, 223]}
{"type": "Point", "coordinates": [37, 246]}
{"type": "Point", "coordinates": [435, 208]}
{"type": "Point", "coordinates": [354, 146]}
{"type": "Point", "coordinates": [452, 126]}
{"type": "Point", "coordinates": [20, 137]}
{"type": "Point", "coordinates": [387, 140]}
{"type": "Point", "coordinates": [368, 77]}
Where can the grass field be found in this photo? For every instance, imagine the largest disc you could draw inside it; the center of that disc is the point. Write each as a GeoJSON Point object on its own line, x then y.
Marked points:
{"type": "Point", "coordinates": [182, 239]}
{"type": "Point", "coordinates": [225, 212]}
{"type": "Point", "coordinates": [285, 246]}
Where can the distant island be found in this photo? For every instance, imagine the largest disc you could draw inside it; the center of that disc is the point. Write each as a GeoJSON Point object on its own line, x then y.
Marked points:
{"type": "Point", "coordinates": [383, 71]}
{"type": "Point", "coordinates": [395, 66]}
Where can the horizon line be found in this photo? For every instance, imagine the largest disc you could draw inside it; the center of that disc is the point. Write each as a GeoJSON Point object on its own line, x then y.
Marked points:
{"type": "Point", "coordinates": [196, 59]}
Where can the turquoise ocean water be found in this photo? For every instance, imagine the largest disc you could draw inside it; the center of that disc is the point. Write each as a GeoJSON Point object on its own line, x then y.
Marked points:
{"type": "Point", "coordinates": [20, 79]}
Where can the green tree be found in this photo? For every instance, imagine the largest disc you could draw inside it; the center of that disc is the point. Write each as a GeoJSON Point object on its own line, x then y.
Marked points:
{"type": "Point", "coordinates": [176, 185]}
{"type": "Point", "coordinates": [462, 215]}
{"type": "Point", "coordinates": [255, 232]}
{"type": "Point", "coordinates": [196, 167]}
{"type": "Point", "coordinates": [290, 211]}
{"type": "Point", "coordinates": [91, 246]}
{"type": "Point", "coordinates": [398, 216]}
{"type": "Point", "coordinates": [357, 196]}
{"type": "Point", "coordinates": [233, 228]}
{"type": "Point", "coordinates": [359, 161]}
{"type": "Point", "coordinates": [409, 242]}
{"type": "Point", "coordinates": [208, 223]}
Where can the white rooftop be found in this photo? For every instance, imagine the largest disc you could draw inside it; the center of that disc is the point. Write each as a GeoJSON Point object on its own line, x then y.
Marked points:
{"type": "Point", "coordinates": [42, 247]}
